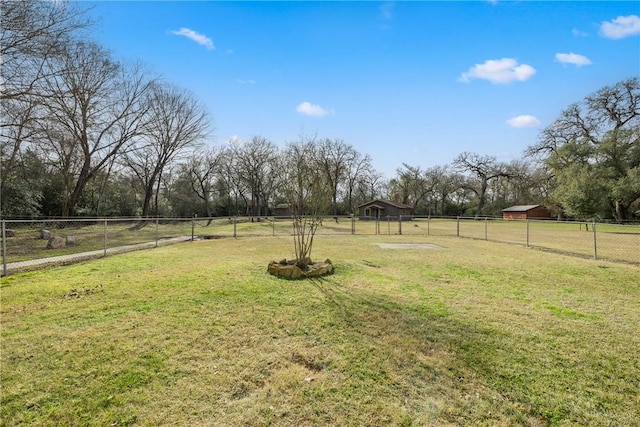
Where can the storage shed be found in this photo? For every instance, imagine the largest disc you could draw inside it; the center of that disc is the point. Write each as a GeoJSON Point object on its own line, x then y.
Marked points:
{"type": "Point", "coordinates": [282, 209]}
{"type": "Point", "coordinates": [526, 212]}
{"type": "Point", "coordinates": [382, 209]}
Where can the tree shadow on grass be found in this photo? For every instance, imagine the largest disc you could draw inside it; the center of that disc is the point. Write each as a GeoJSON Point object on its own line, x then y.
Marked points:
{"type": "Point", "coordinates": [433, 357]}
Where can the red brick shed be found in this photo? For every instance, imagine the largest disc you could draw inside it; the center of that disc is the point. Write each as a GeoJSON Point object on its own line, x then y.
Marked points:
{"type": "Point", "coordinates": [526, 212]}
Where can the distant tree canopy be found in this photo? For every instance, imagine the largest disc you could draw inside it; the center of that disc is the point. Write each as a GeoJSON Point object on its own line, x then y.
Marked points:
{"type": "Point", "coordinates": [85, 134]}
{"type": "Point", "coordinates": [593, 153]}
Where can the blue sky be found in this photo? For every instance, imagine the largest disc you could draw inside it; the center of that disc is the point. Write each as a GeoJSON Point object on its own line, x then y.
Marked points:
{"type": "Point", "coordinates": [405, 82]}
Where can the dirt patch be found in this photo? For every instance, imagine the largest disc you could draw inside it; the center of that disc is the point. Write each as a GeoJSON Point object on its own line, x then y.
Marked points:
{"type": "Point", "coordinates": [77, 293]}
{"type": "Point", "coordinates": [308, 362]}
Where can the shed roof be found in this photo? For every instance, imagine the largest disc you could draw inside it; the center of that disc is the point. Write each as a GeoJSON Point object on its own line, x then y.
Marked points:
{"type": "Point", "coordinates": [385, 202]}
{"type": "Point", "coordinates": [520, 208]}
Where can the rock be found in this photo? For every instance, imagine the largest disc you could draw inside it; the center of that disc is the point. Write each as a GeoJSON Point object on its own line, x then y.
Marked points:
{"type": "Point", "coordinates": [315, 272]}
{"type": "Point", "coordinates": [45, 234]}
{"type": "Point", "coordinates": [296, 272]}
{"type": "Point", "coordinates": [273, 268]}
{"type": "Point", "coordinates": [320, 269]}
{"type": "Point", "coordinates": [71, 240]}
{"type": "Point", "coordinates": [56, 242]}
{"type": "Point", "coordinates": [290, 269]}
{"type": "Point", "coordinates": [9, 232]}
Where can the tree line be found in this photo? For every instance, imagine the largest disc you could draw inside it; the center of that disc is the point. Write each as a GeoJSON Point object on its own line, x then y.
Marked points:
{"type": "Point", "coordinates": [84, 134]}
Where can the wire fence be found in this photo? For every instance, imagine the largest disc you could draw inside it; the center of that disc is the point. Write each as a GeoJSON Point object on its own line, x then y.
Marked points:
{"type": "Point", "coordinates": [613, 242]}
{"type": "Point", "coordinates": [29, 244]}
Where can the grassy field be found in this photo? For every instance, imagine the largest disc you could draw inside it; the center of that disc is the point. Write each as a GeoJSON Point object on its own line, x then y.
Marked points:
{"type": "Point", "coordinates": [474, 333]}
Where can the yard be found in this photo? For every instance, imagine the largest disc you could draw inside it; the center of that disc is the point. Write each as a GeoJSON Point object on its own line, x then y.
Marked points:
{"type": "Point", "coordinates": [473, 332]}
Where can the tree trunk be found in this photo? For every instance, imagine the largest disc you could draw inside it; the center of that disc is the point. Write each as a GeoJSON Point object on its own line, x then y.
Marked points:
{"type": "Point", "coordinates": [482, 196]}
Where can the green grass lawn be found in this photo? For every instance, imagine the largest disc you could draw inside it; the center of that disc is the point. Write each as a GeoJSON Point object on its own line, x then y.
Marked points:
{"type": "Point", "coordinates": [475, 333]}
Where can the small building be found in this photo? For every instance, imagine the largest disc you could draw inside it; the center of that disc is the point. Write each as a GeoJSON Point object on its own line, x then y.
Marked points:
{"type": "Point", "coordinates": [282, 209]}
{"type": "Point", "coordinates": [526, 212]}
{"type": "Point", "coordinates": [383, 209]}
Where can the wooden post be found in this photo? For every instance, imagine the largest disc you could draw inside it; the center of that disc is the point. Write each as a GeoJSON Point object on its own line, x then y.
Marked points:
{"type": "Point", "coordinates": [104, 253]}
{"type": "Point", "coordinates": [595, 240]}
{"type": "Point", "coordinates": [4, 248]}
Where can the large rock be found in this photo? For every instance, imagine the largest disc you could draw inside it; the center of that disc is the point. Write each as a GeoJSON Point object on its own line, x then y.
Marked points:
{"type": "Point", "coordinates": [9, 232]}
{"type": "Point", "coordinates": [71, 240]}
{"type": "Point", "coordinates": [320, 269]}
{"type": "Point", "coordinates": [56, 242]}
{"type": "Point", "coordinates": [45, 234]}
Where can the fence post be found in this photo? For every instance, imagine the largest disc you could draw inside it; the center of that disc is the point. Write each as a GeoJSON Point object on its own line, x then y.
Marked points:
{"type": "Point", "coordinates": [457, 226]}
{"type": "Point", "coordinates": [273, 226]}
{"type": "Point", "coordinates": [156, 231]}
{"type": "Point", "coordinates": [595, 240]}
{"type": "Point", "coordinates": [193, 226]}
{"type": "Point", "coordinates": [4, 247]}
{"type": "Point", "coordinates": [486, 221]}
{"type": "Point", "coordinates": [353, 224]}
{"type": "Point", "coordinates": [527, 221]}
{"type": "Point", "coordinates": [104, 242]}
{"type": "Point", "coordinates": [235, 221]}
{"type": "Point", "coordinates": [429, 225]}
{"type": "Point", "coordinates": [400, 225]}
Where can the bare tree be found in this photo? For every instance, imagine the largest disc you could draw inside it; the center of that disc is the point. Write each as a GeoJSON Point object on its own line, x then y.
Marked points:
{"type": "Point", "coordinates": [412, 186]}
{"type": "Point", "coordinates": [175, 122]}
{"type": "Point", "coordinates": [31, 32]}
{"type": "Point", "coordinates": [205, 169]}
{"type": "Point", "coordinates": [332, 159]}
{"type": "Point", "coordinates": [444, 182]}
{"type": "Point", "coordinates": [308, 197]}
{"type": "Point", "coordinates": [373, 185]}
{"type": "Point", "coordinates": [357, 168]}
{"type": "Point", "coordinates": [94, 108]}
{"type": "Point", "coordinates": [483, 170]}
{"type": "Point", "coordinates": [255, 167]}
{"type": "Point", "coordinates": [230, 178]}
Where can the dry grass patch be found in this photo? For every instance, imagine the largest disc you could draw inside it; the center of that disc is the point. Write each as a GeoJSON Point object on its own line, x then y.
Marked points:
{"type": "Point", "coordinates": [199, 334]}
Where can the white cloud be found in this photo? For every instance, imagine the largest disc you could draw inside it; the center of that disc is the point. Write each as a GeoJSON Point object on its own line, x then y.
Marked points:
{"type": "Point", "coordinates": [248, 82]}
{"type": "Point", "coordinates": [505, 70]}
{"type": "Point", "coordinates": [577, 33]}
{"type": "Point", "coordinates": [573, 58]}
{"type": "Point", "coordinates": [201, 39]}
{"type": "Point", "coordinates": [234, 141]}
{"type": "Point", "coordinates": [386, 11]}
{"type": "Point", "coordinates": [621, 27]}
{"type": "Point", "coordinates": [523, 121]}
{"type": "Point", "coordinates": [309, 109]}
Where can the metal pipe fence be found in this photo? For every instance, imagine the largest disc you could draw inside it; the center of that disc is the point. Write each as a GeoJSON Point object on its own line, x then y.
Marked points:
{"type": "Point", "coordinates": [28, 244]}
